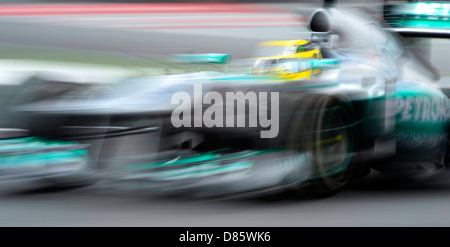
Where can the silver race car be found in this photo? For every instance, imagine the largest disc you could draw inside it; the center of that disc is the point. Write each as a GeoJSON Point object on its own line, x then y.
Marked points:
{"type": "Point", "coordinates": [304, 119]}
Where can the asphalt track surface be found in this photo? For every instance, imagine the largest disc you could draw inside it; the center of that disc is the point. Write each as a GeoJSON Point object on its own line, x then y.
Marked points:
{"type": "Point", "coordinates": [372, 201]}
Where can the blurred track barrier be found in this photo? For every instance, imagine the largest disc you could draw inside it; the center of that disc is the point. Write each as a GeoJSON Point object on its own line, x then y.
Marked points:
{"type": "Point", "coordinates": [131, 8]}
{"type": "Point", "coordinates": [158, 16]}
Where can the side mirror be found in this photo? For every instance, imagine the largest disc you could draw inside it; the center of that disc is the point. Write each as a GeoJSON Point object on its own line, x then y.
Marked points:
{"type": "Point", "coordinates": [325, 63]}
{"type": "Point", "coordinates": [202, 58]}
{"type": "Point", "coordinates": [304, 65]}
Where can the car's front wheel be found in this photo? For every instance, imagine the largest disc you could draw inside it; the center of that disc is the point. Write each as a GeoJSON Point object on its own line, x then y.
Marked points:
{"type": "Point", "coordinates": [323, 126]}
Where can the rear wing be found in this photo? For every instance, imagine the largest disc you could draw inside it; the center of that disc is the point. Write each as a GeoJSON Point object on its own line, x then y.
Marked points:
{"type": "Point", "coordinates": [418, 19]}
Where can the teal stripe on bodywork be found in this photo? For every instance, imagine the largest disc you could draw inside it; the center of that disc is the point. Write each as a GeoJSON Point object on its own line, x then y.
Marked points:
{"type": "Point", "coordinates": [174, 162]}
{"type": "Point", "coordinates": [426, 23]}
{"type": "Point", "coordinates": [318, 85]}
{"type": "Point", "coordinates": [42, 158]}
{"type": "Point", "coordinates": [203, 170]}
{"type": "Point", "coordinates": [37, 151]}
{"type": "Point", "coordinates": [29, 143]}
{"type": "Point", "coordinates": [204, 157]}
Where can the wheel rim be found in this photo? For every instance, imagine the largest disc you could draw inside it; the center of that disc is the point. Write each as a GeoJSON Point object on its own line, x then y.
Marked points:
{"type": "Point", "coordinates": [333, 154]}
{"type": "Point", "coordinates": [323, 129]}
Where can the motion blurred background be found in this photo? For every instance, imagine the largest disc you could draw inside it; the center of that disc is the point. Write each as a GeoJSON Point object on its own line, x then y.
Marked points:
{"type": "Point", "coordinates": [123, 34]}
{"type": "Point", "coordinates": [101, 40]}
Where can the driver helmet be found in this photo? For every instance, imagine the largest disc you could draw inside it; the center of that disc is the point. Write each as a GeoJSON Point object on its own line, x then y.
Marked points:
{"type": "Point", "coordinates": [289, 59]}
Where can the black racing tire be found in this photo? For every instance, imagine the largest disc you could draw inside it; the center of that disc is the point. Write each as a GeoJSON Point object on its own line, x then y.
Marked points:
{"type": "Point", "coordinates": [324, 126]}
{"type": "Point", "coordinates": [446, 158]}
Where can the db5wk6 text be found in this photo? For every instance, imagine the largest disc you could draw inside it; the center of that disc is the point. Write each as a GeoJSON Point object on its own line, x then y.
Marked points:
{"type": "Point", "coordinates": [225, 237]}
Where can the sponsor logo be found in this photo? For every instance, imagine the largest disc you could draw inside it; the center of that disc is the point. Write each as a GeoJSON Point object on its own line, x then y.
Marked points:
{"type": "Point", "coordinates": [441, 9]}
{"type": "Point", "coordinates": [422, 109]}
{"type": "Point", "coordinates": [237, 109]}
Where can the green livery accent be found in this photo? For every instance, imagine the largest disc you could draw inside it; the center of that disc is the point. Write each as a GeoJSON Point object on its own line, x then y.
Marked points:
{"type": "Point", "coordinates": [175, 162]}
{"type": "Point", "coordinates": [433, 15]}
{"type": "Point", "coordinates": [42, 158]}
{"type": "Point", "coordinates": [304, 65]}
{"type": "Point", "coordinates": [201, 164]}
{"type": "Point", "coordinates": [202, 170]}
{"type": "Point", "coordinates": [32, 151]}
{"type": "Point", "coordinates": [30, 144]}
{"type": "Point", "coordinates": [203, 58]}
{"type": "Point", "coordinates": [325, 63]}
{"type": "Point", "coordinates": [318, 85]}
{"type": "Point", "coordinates": [422, 23]}
{"type": "Point", "coordinates": [197, 165]}
{"type": "Point", "coordinates": [195, 159]}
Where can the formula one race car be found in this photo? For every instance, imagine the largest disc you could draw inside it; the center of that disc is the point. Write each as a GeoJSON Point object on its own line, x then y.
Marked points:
{"type": "Point", "coordinates": [305, 121]}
